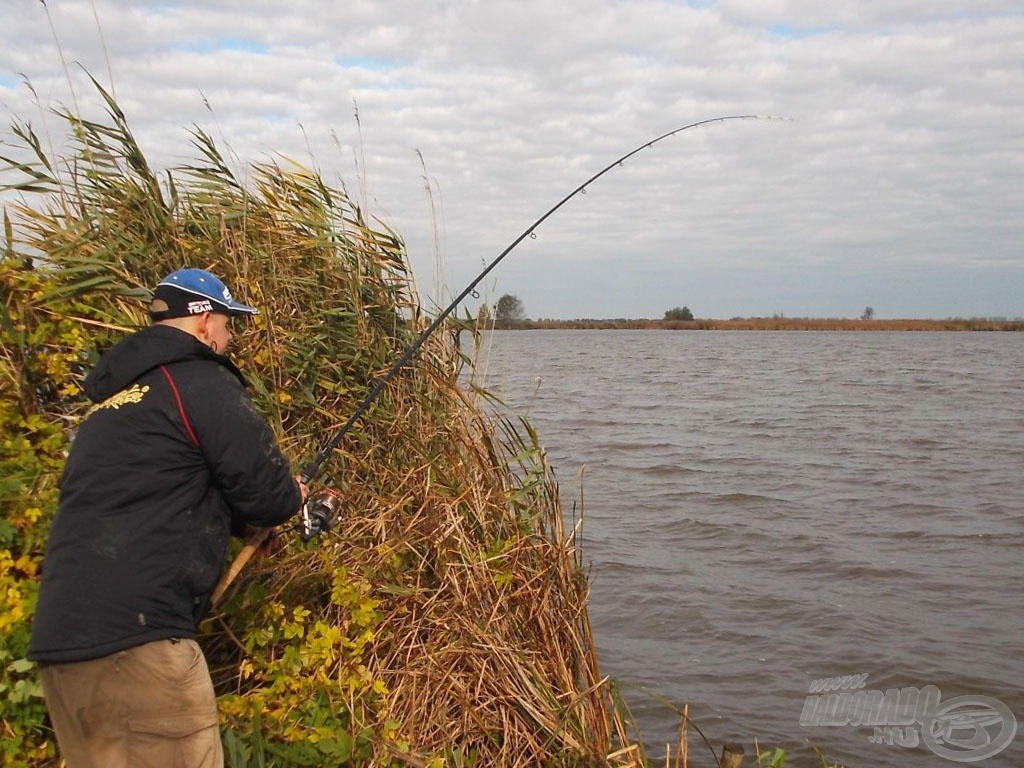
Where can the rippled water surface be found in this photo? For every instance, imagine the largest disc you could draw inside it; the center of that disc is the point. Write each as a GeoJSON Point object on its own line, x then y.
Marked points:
{"type": "Point", "coordinates": [766, 509]}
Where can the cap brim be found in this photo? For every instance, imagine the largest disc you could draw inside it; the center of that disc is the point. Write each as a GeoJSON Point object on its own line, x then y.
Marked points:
{"type": "Point", "coordinates": [242, 309]}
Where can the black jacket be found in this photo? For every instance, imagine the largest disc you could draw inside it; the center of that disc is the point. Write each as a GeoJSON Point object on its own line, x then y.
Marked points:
{"type": "Point", "coordinates": [158, 476]}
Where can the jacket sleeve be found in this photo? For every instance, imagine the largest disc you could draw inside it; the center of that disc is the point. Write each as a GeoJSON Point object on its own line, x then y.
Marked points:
{"type": "Point", "coordinates": [249, 469]}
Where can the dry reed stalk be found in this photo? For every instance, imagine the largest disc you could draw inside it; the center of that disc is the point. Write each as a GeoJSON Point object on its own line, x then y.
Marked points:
{"type": "Point", "coordinates": [682, 753]}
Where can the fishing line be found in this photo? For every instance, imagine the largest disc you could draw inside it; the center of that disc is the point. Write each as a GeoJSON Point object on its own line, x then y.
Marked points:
{"type": "Point", "coordinates": [317, 501]}
{"type": "Point", "coordinates": [313, 469]}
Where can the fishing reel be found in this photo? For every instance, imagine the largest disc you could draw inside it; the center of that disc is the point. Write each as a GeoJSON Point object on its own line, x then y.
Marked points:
{"type": "Point", "coordinates": [320, 513]}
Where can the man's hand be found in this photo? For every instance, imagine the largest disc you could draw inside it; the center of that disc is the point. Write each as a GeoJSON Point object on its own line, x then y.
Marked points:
{"type": "Point", "coordinates": [271, 543]}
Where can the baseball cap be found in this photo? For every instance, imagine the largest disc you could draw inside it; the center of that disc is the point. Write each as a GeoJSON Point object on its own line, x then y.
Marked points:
{"type": "Point", "coordinates": [192, 291]}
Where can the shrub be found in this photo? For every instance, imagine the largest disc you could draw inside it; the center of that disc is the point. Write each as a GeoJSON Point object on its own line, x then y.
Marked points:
{"type": "Point", "coordinates": [679, 313]}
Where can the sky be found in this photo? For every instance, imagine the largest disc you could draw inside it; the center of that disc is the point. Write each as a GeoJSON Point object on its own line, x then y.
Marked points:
{"type": "Point", "coordinates": [895, 181]}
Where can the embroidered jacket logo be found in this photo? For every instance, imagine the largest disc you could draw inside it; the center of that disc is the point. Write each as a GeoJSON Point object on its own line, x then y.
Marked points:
{"type": "Point", "coordinates": [133, 394]}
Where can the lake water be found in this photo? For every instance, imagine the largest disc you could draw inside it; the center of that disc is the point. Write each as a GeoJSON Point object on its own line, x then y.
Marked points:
{"type": "Point", "coordinates": [767, 509]}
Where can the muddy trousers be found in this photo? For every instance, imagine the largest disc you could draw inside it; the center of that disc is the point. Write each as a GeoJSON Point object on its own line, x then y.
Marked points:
{"type": "Point", "coordinates": [147, 707]}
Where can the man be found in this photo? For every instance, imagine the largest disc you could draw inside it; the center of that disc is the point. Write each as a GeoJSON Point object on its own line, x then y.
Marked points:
{"type": "Point", "coordinates": [169, 462]}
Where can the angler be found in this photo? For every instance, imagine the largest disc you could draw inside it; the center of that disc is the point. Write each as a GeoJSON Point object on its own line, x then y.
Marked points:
{"type": "Point", "coordinates": [171, 460]}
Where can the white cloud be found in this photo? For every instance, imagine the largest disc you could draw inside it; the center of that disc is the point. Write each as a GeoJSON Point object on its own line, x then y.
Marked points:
{"type": "Point", "coordinates": [906, 149]}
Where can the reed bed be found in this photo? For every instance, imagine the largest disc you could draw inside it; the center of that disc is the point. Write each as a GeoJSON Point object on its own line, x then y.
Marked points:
{"type": "Point", "coordinates": [444, 621]}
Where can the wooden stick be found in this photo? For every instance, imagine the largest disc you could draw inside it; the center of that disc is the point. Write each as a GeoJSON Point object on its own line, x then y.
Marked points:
{"type": "Point", "coordinates": [732, 756]}
{"type": "Point", "coordinates": [256, 540]}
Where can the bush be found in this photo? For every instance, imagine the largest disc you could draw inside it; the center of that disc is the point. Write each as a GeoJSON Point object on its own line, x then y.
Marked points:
{"type": "Point", "coordinates": [679, 313]}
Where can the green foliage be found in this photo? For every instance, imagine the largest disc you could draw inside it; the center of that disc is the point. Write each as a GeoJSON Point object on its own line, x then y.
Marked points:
{"type": "Point", "coordinates": [679, 313]}
{"type": "Point", "coordinates": [775, 758]}
{"type": "Point", "coordinates": [250, 747]}
{"type": "Point", "coordinates": [508, 312]}
{"type": "Point", "coordinates": [44, 354]}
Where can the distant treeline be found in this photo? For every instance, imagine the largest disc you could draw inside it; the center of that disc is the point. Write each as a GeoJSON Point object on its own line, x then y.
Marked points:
{"type": "Point", "coordinates": [775, 324]}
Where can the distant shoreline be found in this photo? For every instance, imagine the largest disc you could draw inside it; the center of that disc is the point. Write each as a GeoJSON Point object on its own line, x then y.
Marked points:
{"type": "Point", "coordinates": [772, 324]}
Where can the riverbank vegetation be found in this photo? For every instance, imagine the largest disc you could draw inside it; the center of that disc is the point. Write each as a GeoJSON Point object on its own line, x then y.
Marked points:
{"type": "Point", "coordinates": [776, 324]}
{"type": "Point", "coordinates": [510, 314]}
{"type": "Point", "coordinates": [444, 621]}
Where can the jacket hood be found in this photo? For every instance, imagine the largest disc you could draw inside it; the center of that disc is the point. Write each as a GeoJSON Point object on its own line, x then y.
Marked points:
{"type": "Point", "coordinates": [143, 351]}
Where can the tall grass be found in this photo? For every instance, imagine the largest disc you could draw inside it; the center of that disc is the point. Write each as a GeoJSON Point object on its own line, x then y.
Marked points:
{"type": "Point", "coordinates": [444, 622]}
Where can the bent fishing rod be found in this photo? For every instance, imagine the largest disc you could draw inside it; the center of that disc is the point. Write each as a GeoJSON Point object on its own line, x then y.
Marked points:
{"type": "Point", "coordinates": [321, 511]}
{"type": "Point", "coordinates": [313, 468]}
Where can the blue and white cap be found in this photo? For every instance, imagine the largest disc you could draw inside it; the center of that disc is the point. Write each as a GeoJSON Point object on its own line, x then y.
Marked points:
{"type": "Point", "coordinates": [192, 291]}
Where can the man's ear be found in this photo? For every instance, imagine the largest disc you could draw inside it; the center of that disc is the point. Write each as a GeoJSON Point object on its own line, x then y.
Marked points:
{"type": "Point", "coordinates": [203, 327]}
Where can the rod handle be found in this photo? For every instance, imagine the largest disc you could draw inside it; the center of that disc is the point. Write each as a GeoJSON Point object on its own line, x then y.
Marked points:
{"type": "Point", "coordinates": [256, 540]}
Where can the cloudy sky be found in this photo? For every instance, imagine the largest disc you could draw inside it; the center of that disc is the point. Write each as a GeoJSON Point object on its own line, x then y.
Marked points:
{"type": "Point", "coordinates": [896, 182]}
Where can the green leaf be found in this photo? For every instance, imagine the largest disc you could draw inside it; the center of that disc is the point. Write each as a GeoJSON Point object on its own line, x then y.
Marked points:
{"type": "Point", "coordinates": [21, 666]}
